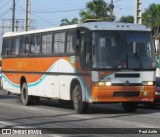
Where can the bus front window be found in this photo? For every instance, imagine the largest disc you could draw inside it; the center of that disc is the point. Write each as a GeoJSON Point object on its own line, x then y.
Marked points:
{"type": "Point", "coordinates": [109, 50]}
{"type": "Point", "coordinates": [140, 50]}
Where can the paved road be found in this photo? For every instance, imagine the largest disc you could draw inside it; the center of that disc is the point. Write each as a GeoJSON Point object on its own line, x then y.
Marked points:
{"type": "Point", "coordinates": [49, 114]}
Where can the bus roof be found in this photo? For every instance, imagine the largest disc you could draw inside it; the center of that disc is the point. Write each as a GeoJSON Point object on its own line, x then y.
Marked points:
{"type": "Point", "coordinates": [91, 26]}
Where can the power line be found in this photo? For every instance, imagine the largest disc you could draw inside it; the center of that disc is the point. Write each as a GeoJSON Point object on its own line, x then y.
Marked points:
{"type": "Point", "coordinates": [38, 17]}
{"type": "Point", "coordinates": [5, 4]}
{"type": "Point", "coordinates": [117, 1]}
{"type": "Point", "coordinates": [57, 11]}
{"type": "Point", "coordinates": [8, 10]}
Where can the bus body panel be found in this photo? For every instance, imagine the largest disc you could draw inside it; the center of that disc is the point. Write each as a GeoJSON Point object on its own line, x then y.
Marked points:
{"type": "Point", "coordinates": [52, 79]}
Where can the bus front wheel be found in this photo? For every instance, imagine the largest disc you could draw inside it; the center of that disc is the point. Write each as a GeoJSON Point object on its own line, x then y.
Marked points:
{"type": "Point", "coordinates": [26, 99]}
{"type": "Point", "coordinates": [130, 106]}
{"type": "Point", "coordinates": [79, 105]}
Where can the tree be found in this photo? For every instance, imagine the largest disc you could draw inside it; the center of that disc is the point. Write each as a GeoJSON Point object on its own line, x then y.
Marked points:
{"type": "Point", "coordinates": [97, 9]}
{"type": "Point", "coordinates": [151, 17]}
{"type": "Point", "coordinates": [65, 22]}
{"type": "Point", "coordinates": [127, 19]}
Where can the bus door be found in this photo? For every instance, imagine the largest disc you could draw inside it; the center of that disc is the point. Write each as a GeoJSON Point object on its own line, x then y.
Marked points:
{"type": "Point", "coordinates": [86, 61]}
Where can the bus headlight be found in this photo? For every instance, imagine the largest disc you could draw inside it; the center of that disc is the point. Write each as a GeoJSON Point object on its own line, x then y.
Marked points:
{"type": "Point", "coordinates": [147, 83]}
{"type": "Point", "coordinates": [102, 84]}
{"type": "Point", "coordinates": [157, 93]}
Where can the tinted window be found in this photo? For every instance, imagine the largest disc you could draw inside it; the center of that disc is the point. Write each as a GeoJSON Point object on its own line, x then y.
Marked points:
{"type": "Point", "coordinates": [8, 46]}
{"type": "Point", "coordinates": [35, 44]}
{"type": "Point", "coordinates": [47, 44]}
{"type": "Point", "coordinates": [4, 47]}
{"type": "Point", "coordinates": [59, 43]}
{"type": "Point", "coordinates": [15, 46]}
{"type": "Point", "coordinates": [24, 45]}
{"type": "Point", "coordinates": [71, 42]}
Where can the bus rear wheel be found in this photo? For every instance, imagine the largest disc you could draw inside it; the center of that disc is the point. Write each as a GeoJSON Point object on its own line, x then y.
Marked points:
{"type": "Point", "coordinates": [79, 105]}
{"type": "Point", "coordinates": [130, 106]}
{"type": "Point", "coordinates": [26, 99]}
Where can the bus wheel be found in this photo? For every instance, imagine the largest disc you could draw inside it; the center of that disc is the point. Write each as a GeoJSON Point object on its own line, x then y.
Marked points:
{"type": "Point", "coordinates": [130, 106]}
{"type": "Point", "coordinates": [64, 102]}
{"type": "Point", "coordinates": [79, 105]}
{"type": "Point", "coordinates": [150, 105]}
{"type": "Point", "coordinates": [36, 100]}
{"type": "Point", "coordinates": [26, 99]}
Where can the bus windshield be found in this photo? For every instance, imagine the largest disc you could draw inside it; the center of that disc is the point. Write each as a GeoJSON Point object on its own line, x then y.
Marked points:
{"type": "Point", "coordinates": [123, 50]}
{"type": "Point", "coordinates": [140, 50]}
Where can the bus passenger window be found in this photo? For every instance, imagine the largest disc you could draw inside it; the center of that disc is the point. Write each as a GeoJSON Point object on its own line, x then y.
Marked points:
{"type": "Point", "coordinates": [59, 43]}
{"type": "Point", "coordinates": [15, 46]}
{"type": "Point", "coordinates": [17, 41]}
{"type": "Point", "coordinates": [71, 42]}
{"type": "Point", "coordinates": [8, 46]}
{"type": "Point", "coordinates": [35, 44]}
{"type": "Point", "coordinates": [3, 47]}
{"type": "Point", "coordinates": [24, 45]}
{"type": "Point", "coordinates": [47, 44]}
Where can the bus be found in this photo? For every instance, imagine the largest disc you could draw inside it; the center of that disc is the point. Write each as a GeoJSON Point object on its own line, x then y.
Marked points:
{"type": "Point", "coordinates": [88, 63]}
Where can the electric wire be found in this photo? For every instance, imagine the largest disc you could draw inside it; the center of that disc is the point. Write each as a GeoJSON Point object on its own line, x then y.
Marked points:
{"type": "Point", "coordinates": [37, 16]}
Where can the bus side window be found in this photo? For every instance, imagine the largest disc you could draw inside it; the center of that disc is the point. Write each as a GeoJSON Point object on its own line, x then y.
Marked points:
{"type": "Point", "coordinates": [15, 46]}
{"type": "Point", "coordinates": [8, 46]}
{"type": "Point", "coordinates": [59, 43]}
{"type": "Point", "coordinates": [46, 44]}
{"type": "Point", "coordinates": [24, 45]}
{"type": "Point", "coordinates": [3, 47]}
{"type": "Point", "coordinates": [35, 44]}
{"type": "Point", "coordinates": [71, 42]}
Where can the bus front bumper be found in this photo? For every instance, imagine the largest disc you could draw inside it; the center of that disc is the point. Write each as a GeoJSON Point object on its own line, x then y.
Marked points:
{"type": "Point", "coordinates": [123, 94]}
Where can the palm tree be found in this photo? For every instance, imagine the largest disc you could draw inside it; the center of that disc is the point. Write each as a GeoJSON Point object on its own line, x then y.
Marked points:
{"type": "Point", "coordinates": [127, 19]}
{"type": "Point", "coordinates": [65, 22]}
{"type": "Point", "coordinates": [151, 17]}
{"type": "Point", "coordinates": [97, 9]}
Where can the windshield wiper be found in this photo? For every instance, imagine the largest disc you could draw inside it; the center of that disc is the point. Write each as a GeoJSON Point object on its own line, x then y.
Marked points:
{"type": "Point", "coordinates": [138, 60]}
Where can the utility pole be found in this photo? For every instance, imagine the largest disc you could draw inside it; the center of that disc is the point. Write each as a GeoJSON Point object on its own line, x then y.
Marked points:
{"type": "Point", "coordinates": [13, 15]}
{"type": "Point", "coordinates": [111, 7]}
{"type": "Point", "coordinates": [138, 12]}
{"type": "Point", "coordinates": [111, 11]}
{"type": "Point", "coordinates": [27, 20]}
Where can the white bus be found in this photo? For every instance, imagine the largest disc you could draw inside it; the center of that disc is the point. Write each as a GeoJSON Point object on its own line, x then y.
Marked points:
{"type": "Point", "coordinates": [96, 62]}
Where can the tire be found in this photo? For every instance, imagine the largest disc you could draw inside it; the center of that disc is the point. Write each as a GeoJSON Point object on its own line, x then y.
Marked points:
{"type": "Point", "coordinates": [36, 100]}
{"type": "Point", "coordinates": [150, 105]}
{"type": "Point", "coordinates": [79, 105]}
{"type": "Point", "coordinates": [64, 102]}
{"type": "Point", "coordinates": [26, 99]}
{"type": "Point", "coordinates": [130, 106]}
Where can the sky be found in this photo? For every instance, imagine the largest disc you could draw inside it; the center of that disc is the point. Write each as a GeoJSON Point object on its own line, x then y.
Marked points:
{"type": "Point", "coordinates": [49, 13]}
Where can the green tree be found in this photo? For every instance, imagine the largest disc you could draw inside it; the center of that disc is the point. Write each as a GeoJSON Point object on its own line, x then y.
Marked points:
{"type": "Point", "coordinates": [151, 17]}
{"type": "Point", "coordinates": [127, 19]}
{"type": "Point", "coordinates": [97, 9]}
{"type": "Point", "coordinates": [65, 22]}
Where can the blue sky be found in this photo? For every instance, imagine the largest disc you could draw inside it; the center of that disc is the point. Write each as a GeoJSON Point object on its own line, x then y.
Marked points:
{"type": "Point", "coordinates": [52, 11]}
{"type": "Point", "coordinates": [48, 13]}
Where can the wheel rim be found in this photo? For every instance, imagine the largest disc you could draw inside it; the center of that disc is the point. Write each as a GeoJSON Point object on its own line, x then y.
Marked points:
{"type": "Point", "coordinates": [77, 99]}
{"type": "Point", "coordinates": [24, 94]}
